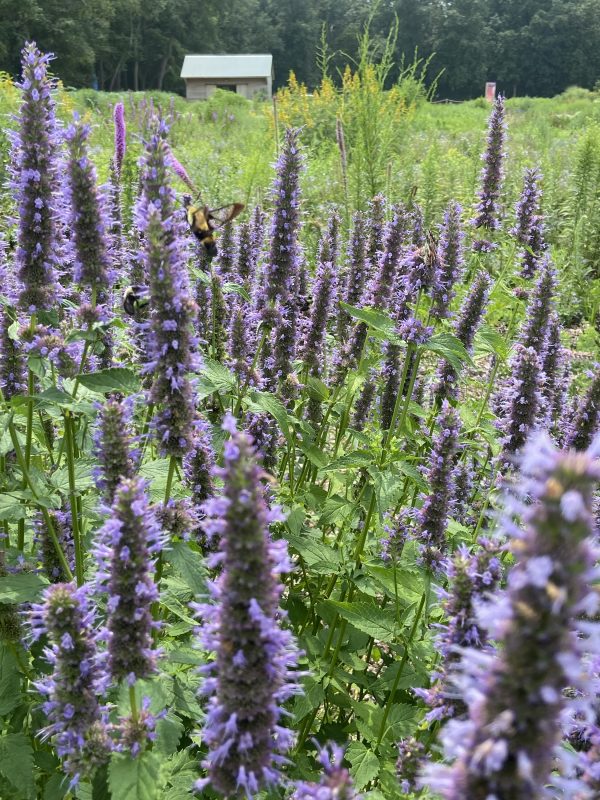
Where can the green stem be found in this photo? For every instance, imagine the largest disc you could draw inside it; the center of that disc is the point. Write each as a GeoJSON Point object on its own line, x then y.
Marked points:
{"type": "Point", "coordinates": [73, 497]}
{"type": "Point", "coordinates": [244, 389]}
{"type": "Point", "coordinates": [390, 700]}
{"type": "Point", "coordinates": [44, 510]}
{"type": "Point", "coordinates": [133, 704]}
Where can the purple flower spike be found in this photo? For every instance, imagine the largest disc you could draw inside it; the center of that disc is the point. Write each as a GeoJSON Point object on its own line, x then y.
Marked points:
{"type": "Point", "coordinates": [528, 230]}
{"type": "Point", "coordinates": [87, 212]}
{"type": "Point", "coordinates": [255, 657]}
{"type": "Point", "coordinates": [488, 208]}
{"type": "Point", "coordinates": [114, 446]}
{"type": "Point", "coordinates": [335, 783]}
{"type": "Point", "coordinates": [522, 402]}
{"type": "Point", "coordinates": [77, 721]}
{"type": "Point", "coordinates": [387, 264]}
{"type": "Point", "coordinates": [465, 328]}
{"type": "Point", "coordinates": [323, 293]}
{"type": "Point", "coordinates": [451, 261]}
{"type": "Point", "coordinates": [61, 523]}
{"type": "Point", "coordinates": [172, 347]}
{"type": "Point", "coordinates": [585, 423]}
{"type": "Point", "coordinates": [179, 170]}
{"type": "Point", "coordinates": [282, 262]}
{"type": "Point", "coordinates": [505, 747]}
{"type": "Point", "coordinates": [127, 544]}
{"type": "Point", "coordinates": [375, 225]}
{"type": "Point", "coordinates": [535, 329]}
{"type": "Point", "coordinates": [355, 282]}
{"type": "Point", "coordinates": [199, 465]}
{"type": "Point", "coordinates": [472, 576]}
{"type": "Point", "coordinates": [35, 182]}
{"type": "Point", "coordinates": [411, 754]}
{"type": "Point", "coordinates": [12, 362]}
{"type": "Point", "coordinates": [432, 517]}
{"type": "Point", "coordinates": [120, 136]}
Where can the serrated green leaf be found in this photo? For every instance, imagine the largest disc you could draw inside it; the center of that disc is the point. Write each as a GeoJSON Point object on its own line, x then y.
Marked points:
{"type": "Point", "coordinates": [16, 763]}
{"type": "Point", "coordinates": [312, 696]}
{"type": "Point", "coordinates": [57, 787]}
{"type": "Point", "coordinates": [218, 376]}
{"type": "Point", "coordinates": [356, 459]}
{"type": "Point", "coordinates": [377, 622]}
{"type": "Point", "coordinates": [190, 565]}
{"type": "Point", "coordinates": [263, 401]}
{"type": "Point", "coordinates": [380, 324]}
{"type": "Point", "coordinates": [450, 348]}
{"type": "Point", "coordinates": [168, 734]}
{"type": "Point", "coordinates": [487, 341]}
{"type": "Point", "coordinates": [113, 379]}
{"type": "Point", "coordinates": [23, 587]}
{"type": "Point", "coordinates": [11, 509]}
{"type": "Point", "coordinates": [365, 764]}
{"type": "Point", "coordinates": [135, 778]}
{"type": "Point", "coordinates": [10, 682]}
{"type": "Point", "coordinates": [83, 468]}
{"type": "Point", "coordinates": [313, 550]}
{"type": "Point", "coordinates": [408, 581]}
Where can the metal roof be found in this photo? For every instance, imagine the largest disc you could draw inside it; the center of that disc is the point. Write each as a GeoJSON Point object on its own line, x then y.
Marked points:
{"type": "Point", "coordinates": [230, 66]}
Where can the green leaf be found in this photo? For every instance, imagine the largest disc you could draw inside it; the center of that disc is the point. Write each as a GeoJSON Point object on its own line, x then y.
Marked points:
{"type": "Point", "coordinates": [314, 552]}
{"type": "Point", "coordinates": [113, 379]}
{"type": "Point", "coordinates": [58, 786]}
{"type": "Point", "coordinates": [10, 508]}
{"type": "Point", "coordinates": [379, 623]}
{"type": "Point", "coordinates": [312, 696]}
{"type": "Point", "coordinates": [100, 790]}
{"type": "Point", "coordinates": [365, 764]}
{"type": "Point", "coordinates": [381, 325]}
{"type": "Point", "coordinates": [24, 587]}
{"type": "Point", "coordinates": [10, 682]}
{"type": "Point", "coordinates": [409, 581]}
{"type": "Point", "coordinates": [218, 376]}
{"type": "Point", "coordinates": [488, 341]}
{"type": "Point", "coordinates": [135, 778]}
{"type": "Point", "coordinates": [16, 763]}
{"type": "Point", "coordinates": [190, 566]}
{"type": "Point", "coordinates": [353, 460]}
{"type": "Point", "coordinates": [263, 401]}
{"type": "Point", "coordinates": [53, 396]}
{"type": "Point", "coordinates": [449, 347]}
{"type": "Point", "coordinates": [83, 468]}
{"type": "Point", "coordinates": [168, 734]}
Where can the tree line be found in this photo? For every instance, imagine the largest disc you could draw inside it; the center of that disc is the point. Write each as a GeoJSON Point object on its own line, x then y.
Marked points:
{"type": "Point", "coordinates": [529, 47]}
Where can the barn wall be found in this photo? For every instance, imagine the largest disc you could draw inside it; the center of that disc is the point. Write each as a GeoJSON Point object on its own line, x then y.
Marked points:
{"type": "Point", "coordinates": [201, 89]}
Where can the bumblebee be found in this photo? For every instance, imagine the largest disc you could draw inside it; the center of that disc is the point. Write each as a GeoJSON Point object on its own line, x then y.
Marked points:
{"type": "Point", "coordinates": [204, 221]}
{"type": "Point", "coordinates": [134, 299]}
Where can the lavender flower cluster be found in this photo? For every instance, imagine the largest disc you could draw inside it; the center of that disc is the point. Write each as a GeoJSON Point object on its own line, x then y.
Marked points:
{"type": "Point", "coordinates": [253, 673]}
{"type": "Point", "coordinates": [505, 746]}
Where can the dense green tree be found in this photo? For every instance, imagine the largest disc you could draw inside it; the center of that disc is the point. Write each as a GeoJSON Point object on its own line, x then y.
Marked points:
{"type": "Point", "coordinates": [527, 46]}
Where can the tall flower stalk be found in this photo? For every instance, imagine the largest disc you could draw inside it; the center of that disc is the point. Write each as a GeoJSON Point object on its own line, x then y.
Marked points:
{"type": "Point", "coordinates": [87, 213]}
{"type": "Point", "coordinates": [77, 720]}
{"type": "Point", "coordinates": [35, 182]}
{"type": "Point", "coordinates": [432, 517]}
{"type": "Point", "coordinates": [172, 345]}
{"type": "Point", "coordinates": [127, 546]}
{"type": "Point", "coordinates": [252, 673]}
{"type": "Point", "coordinates": [465, 329]}
{"type": "Point", "coordinates": [488, 208]}
{"type": "Point", "coordinates": [515, 695]}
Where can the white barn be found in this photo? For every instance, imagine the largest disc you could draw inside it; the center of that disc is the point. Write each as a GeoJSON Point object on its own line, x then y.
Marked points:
{"type": "Point", "coordinates": [243, 74]}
